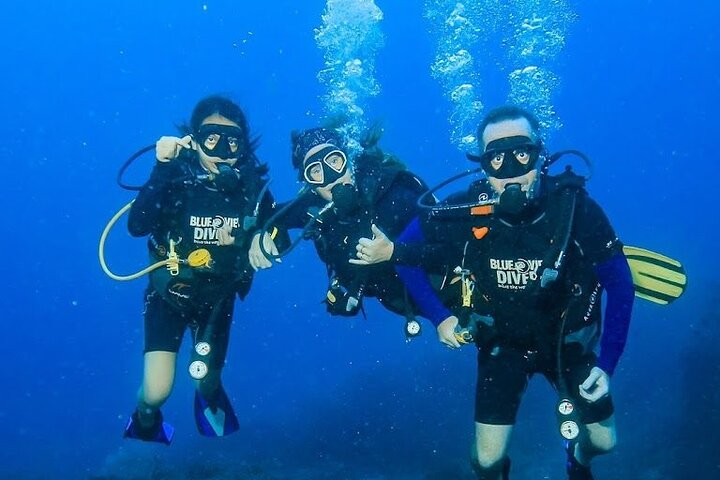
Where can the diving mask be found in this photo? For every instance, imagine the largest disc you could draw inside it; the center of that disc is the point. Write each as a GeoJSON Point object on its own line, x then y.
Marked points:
{"type": "Point", "coordinates": [220, 141]}
{"type": "Point", "coordinates": [324, 166]}
{"type": "Point", "coordinates": [509, 157]}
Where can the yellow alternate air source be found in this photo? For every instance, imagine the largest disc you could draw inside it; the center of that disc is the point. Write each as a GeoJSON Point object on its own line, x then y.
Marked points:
{"type": "Point", "coordinates": [657, 278]}
{"type": "Point", "coordinates": [197, 258]}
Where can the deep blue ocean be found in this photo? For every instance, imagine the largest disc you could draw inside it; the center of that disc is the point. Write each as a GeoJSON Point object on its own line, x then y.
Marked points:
{"type": "Point", "coordinates": [86, 84]}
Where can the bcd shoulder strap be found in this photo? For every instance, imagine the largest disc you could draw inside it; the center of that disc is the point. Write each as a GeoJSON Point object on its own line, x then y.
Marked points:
{"type": "Point", "coordinates": [566, 187]}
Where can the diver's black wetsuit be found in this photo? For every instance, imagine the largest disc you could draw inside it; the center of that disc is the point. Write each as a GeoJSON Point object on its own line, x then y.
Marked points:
{"type": "Point", "coordinates": [179, 203]}
{"type": "Point", "coordinates": [388, 199]}
{"type": "Point", "coordinates": [507, 258]}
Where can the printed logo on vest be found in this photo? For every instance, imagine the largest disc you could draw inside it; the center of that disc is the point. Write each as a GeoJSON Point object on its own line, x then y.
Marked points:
{"type": "Point", "coordinates": [515, 274]}
{"type": "Point", "coordinates": [205, 229]}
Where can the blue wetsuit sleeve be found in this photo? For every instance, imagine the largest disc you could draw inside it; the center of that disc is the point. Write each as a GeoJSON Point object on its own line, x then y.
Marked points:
{"type": "Point", "coordinates": [614, 275]}
{"type": "Point", "coordinates": [413, 249]}
{"type": "Point", "coordinates": [147, 211]}
{"type": "Point", "coordinates": [417, 282]}
{"type": "Point", "coordinates": [408, 245]}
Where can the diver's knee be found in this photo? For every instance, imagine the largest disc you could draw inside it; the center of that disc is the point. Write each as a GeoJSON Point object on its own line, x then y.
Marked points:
{"type": "Point", "coordinates": [490, 445]}
{"type": "Point", "coordinates": [602, 439]}
{"type": "Point", "coordinates": [487, 459]}
{"type": "Point", "coordinates": [155, 396]}
{"type": "Point", "coordinates": [154, 393]}
{"type": "Point", "coordinates": [605, 444]}
{"type": "Point", "coordinates": [489, 462]}
{"type": "Point", "coordinates": [158, 377]}
{"type": "Point", "coordinates": [498, 470]}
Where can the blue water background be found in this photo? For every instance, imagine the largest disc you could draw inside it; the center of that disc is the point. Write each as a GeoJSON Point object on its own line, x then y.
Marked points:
{"type": "Point", "coordinates": [85, 84]}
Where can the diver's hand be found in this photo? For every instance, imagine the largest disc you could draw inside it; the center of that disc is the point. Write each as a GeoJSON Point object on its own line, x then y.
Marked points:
{"type": "Point", "coordinates": [376, 250]}
{"type": "Point", "coordinates": [255, 256]}
{"type": "Point", "coordinates": [372, 136]}
{"type": "Point", "coordinates": [446, 332]}
{"type": "Point", "coordinates": [596, 385]}
{"type": "Point", "coordinates": [168, 148]}
{"type": "Point", "coordinates": [224, 236]}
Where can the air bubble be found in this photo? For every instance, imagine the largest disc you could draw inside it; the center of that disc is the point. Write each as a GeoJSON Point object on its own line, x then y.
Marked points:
{"type": "Point", "coordinates": [350, 37]}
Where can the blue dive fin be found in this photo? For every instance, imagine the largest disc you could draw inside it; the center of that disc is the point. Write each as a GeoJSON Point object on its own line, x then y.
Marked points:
{"type": "Point", "coordinates": [215, 418]}
{"type": "Point", "coordinates": [159, 431]}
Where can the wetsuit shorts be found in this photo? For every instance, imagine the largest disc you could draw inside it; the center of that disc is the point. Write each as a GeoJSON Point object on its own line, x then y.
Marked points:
{"type": "Point", "coordinates": [503, 376]}
{"type": "Point", "coordinates": [166, 325]}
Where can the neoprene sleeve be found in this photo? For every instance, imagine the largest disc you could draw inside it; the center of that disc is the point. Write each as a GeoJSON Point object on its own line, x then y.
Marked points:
{"type": "Point", "coordinates": [615, 277]}
{"type": "Point", "coordinates": [147, 210]}
{"type": "Point", "coordinates": [416, 280]}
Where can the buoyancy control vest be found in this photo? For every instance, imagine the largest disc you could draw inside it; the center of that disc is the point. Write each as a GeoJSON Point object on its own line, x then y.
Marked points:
{"type": "Point", "coordinates": [194, 210]}
{"type": "Point", "coordinates": [377, 180]}
{"type": "Point", "coordinates": [529, 275]}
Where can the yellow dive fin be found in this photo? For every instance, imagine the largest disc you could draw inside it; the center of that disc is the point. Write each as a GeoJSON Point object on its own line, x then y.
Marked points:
{"type": "Point", "coordinates": [657, 278]}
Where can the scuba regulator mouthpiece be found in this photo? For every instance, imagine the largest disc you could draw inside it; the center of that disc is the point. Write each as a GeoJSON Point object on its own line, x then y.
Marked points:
{"type": "Point", "coordinates": [512, 160]}
{"type": "Point", "coordinates": [513, 201]}
{"type": "Point", "coordinates": [345, 199]}
{"type": "Point", "coordinates": [227, 179]}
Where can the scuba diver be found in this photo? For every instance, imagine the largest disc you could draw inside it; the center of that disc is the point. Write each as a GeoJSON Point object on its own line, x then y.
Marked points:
{"type": "Point", "coordinates": [204, 201]}
{"type": "Point", "coordinates": [343, 200]}
{"type": "Point", "coordinates": [533, 253]}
